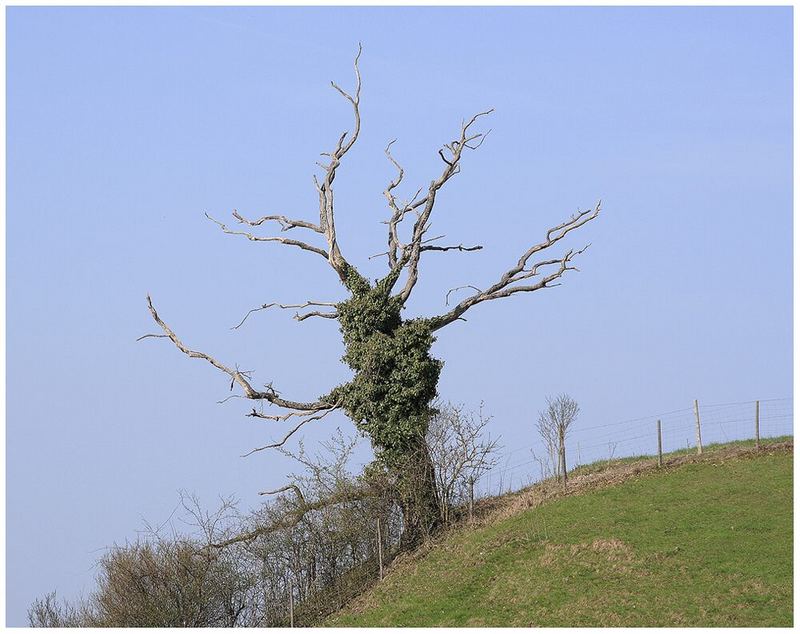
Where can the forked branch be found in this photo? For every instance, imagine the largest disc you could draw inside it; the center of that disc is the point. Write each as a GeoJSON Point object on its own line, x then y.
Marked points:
{"type": "Point", "coordinates": [327, 225]}
{"type": "Point", "coordinates": [545, 271]}
{"type": "Point", "coordinates": [292, 432]}
{"type": "Point", "coordinates": [408, 255]}
{"type": "Point", "coordinates": [254, 238]}
{"type": "Point", "coordinates": [325, 186]}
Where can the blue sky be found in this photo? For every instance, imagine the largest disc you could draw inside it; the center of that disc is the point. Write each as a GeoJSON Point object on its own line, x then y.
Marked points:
{"type": "Point", "coordinates": [126, 125]}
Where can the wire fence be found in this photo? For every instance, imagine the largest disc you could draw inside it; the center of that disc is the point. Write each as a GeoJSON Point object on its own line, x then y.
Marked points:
{"type": "Point", "coordinates": [719, 423]}
{"type": "Point", "coordinates": [521, 467]}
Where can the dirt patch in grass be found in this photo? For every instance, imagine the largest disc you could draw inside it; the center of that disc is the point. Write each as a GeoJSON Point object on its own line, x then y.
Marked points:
{"type": "Point", "coordinates": [601, 556]}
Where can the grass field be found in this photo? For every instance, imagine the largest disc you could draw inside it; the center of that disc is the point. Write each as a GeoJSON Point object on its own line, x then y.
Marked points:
{"type": "Point", "coordinates": [706, 543]}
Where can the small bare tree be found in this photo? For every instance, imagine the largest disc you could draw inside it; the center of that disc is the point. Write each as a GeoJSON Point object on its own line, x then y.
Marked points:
{"type": "Point", "coordinates": [459, 452]}
{"type": "Point", "coordinates": [553, 426]}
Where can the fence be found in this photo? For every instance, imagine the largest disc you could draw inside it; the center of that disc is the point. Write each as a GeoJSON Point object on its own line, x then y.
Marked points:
{"type": "Point", "coordinates": [669, 431]}
{"type": "Point", "coordinates": [719, 423]}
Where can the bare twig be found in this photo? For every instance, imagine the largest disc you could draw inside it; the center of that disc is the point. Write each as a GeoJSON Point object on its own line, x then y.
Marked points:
{"type": "Point", "coordinates": [458, 288]}
{"type": "Point", "coordinates": [291, 433]}
{"type": "Point", "coordinates": [283, 306]}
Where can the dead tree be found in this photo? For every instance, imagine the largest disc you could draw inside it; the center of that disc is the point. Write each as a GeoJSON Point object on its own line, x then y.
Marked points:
{"type": "Point", "coordinates": [553, 426]}
{"type": "Point", "coordinates": [395, 377]}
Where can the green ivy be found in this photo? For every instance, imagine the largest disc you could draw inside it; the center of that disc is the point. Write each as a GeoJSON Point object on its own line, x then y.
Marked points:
{"type": "Point", "coordinates": [395, 376]}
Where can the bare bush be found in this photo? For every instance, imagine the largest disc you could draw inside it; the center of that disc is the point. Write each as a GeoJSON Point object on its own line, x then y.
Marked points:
{"type": "Point", "coordinates": [460, 454]}
{"type": "Point", "coordinates": [553, 426]}
{"type": "Point", "coordinates": [50, 612]}
{"type": "Point", "coordinates": [316, 539]}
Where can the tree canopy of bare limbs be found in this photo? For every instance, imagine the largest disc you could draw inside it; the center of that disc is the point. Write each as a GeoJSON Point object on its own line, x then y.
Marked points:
{"type": "Point", "coordinates": [395, 377]}
{"type": "Point", "coordinates": [553, 426]}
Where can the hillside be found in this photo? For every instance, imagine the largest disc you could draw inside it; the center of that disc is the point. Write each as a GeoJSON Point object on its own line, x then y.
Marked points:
{"type": "Point", "coordinates": [705, 541]}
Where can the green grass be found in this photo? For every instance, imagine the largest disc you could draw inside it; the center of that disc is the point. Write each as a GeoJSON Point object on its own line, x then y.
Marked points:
{"type": "Point", "coordinates": [704, 544]}
{"type": "Point", "coordinates": [602, 465]}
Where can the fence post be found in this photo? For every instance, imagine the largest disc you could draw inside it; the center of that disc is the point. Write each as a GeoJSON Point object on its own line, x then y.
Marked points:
{"type": "Point", "coordinates": [291, 603]}
{"type": "Point", "coordinates": [658, 427]}
{"type": "Point", "coordinates": [471, 496]}
{"type": "Point", "coordinates": [563, 457]}
{"type": "Point", "coordinates": [697, 422]}
{"type": "Point", "coordinates": [380, 550]}
{"type": "Point", "coordinates": [758, 435]}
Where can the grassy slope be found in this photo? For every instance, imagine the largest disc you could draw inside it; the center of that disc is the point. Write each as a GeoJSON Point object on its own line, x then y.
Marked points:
{"type": "Point", "coordinates": [708, 543]}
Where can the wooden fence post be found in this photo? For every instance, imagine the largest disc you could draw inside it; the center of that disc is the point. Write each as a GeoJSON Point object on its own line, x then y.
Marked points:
{"type": "Point", "coordinates": [697, 422]}
{"type": "Point", "coordinates": [380, 550]}
{"type": "Point", "coordinates": [658, 427]}
{"type": "Point", "coordinates": [471, 496]}
{"type": "Point", "coordinates": [291, 604]}
{"type": "Point", "coordinates": [563, 459]}
{"type": "Point", "coordinates": [758, 434]}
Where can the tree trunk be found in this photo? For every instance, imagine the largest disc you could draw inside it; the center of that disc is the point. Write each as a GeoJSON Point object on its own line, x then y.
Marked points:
{"type": "Point", "coordinates": [418, 497]}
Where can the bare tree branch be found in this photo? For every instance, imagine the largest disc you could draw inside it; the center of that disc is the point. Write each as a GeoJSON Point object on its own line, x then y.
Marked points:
{"type": "Point", "coordinates": [285, 306]}
{"type": "Point", "coordinates": [150, 335]}
{"type": "Point", "coordinates": [397, 213]}
{"type": "Point", "coordinates": [288, 487]}
{"type": "Point", "coordinates": [458, 288]}
{"type": "Point", "coordinates": [326, 224]}
{"type": "Point", "coordinates": [286, 223]}
{"type": "Point", "coordinates": [325, 188]}
{"type": "Point", "coordinates": [423, 207]}
{"type": "Point", "coordinates": [291, 433]}
{"type": "Point", "coordinates": [315, 313]}
{"type": "Point", "coordinates": [426, 247]}
{"type": "Point", "coordinates": [295, 243]}
{"type": "Point", "coordinates": [457, 247]}
{"type": "Point", "coordinates": [236, 375]}
{"type": "Point", "coordinates": [505, 286]}
{"type": "Point", "coordinates": [296, 516]}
